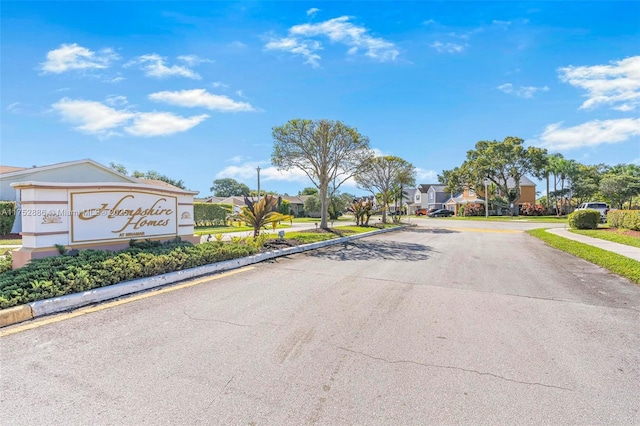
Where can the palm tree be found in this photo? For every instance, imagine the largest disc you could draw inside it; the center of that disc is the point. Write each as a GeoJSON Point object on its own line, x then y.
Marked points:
{"type": "Point", "coordinates": [260, 213]}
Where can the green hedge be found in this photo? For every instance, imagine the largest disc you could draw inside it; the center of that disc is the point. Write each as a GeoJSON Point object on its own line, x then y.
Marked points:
{"type": "Point", "coordinates": [7, 216]}
{"type": "Point", "coordinates": [628, 219]}
{"type": "Point", "coordinates": [60, 275]}
{"type": "Point", "coordinates": [584, 219]}
{"type": "Point", "coordinates": [210, 214]}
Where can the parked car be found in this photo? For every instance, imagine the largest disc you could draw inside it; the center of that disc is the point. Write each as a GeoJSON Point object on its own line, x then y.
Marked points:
{"type": "Point", "coordinates": [421, 212]}
{"type": "Point", "coordinates": [441, 213]}
{"type": "Point", "coordinates": [602, 207]}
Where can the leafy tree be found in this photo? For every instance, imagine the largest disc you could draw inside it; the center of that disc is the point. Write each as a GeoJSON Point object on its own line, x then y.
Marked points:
{"type": "Point", "coordinates": [496, 162]}
{"type": "Point", "coordinates": [338, 203]}
{"type": "Point", "coordinates": [284, 207]}
{"type": "Point", "coordinates": [308, 191]}
{"type": "Point", "coordinates": [328, 152]}
{"type": "Point", "coordinates": [229, 187]}
{"type": "Point", "coordinates": [620, 188]}
{"type": "Point", "coordinates": [386, 175]}
{"type": "Point", "coordinates": [586, 182]}
{"type": "Point", "coordinates": [119, 168]}
{"type": "Point", "coordinates": [151, 174]}
{"type": "Point", "coordinates": [312, 204]}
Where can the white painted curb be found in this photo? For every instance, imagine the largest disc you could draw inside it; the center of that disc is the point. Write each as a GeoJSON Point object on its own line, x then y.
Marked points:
{"type": "Point", "coordinates": [76, 300]}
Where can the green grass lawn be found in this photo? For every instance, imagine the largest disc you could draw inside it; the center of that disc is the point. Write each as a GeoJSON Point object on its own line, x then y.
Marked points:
{"type": "Point", "coordinates": [542, 219]}
{"type": "Point", "coordinates": [609, 236]}
{"type": "Point", "coordinates": [618, 264]}
{"type": "Point", "coordinates": [16, 242]}
{"type": "Point", "coordinates": [317, 219]}
{"type": "Point", "coordinates": [204, 230]}
{"type": "Point", "coordinates": [339, 231]}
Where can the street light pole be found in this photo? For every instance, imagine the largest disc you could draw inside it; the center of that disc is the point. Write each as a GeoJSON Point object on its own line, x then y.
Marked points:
{"type": "Point", "coordinates": [258, 170]}
{"type": "Point", "coordinates": [486, 200]}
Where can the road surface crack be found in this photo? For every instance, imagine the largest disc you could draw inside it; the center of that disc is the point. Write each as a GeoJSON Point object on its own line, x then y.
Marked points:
{"type": "Point", "coordinates": [216, 320]}
{"type": "Point", "coordinates": [450, 367]}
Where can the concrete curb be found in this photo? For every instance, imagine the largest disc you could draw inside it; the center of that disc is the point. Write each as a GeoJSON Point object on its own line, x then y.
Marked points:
{"type": "Point", "coordinates": [40, 308]}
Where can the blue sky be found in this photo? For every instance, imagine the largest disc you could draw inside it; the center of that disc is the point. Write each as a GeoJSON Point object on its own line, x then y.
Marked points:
{"type": "Point", "coordinates": [193, 89]}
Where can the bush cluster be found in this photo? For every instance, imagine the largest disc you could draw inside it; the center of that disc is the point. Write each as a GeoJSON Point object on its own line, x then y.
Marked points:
{"type": "Point", "coordinates": [209, 214]}
{"type": "Point", "coordinates": [60, 275]}
{"type": "Point", "coordinates": [584, 219]}
{"type": "Point", "coordinates": [529, 209]}
{"type": "Point", "coordinates": [7, 216]}
{"type": "Point", "coordinates": [473, 209]}
{"type": "Point", "coordinates": [628, 219]}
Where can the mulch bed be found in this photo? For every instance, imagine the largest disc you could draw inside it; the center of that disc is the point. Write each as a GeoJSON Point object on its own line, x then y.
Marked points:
{"type": "Point", "coordinates": [626, 232]}
{"type": "Point", "coordinates": [11, 237]}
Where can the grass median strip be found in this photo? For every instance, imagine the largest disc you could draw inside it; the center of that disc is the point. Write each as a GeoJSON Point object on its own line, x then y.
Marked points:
{"type": "Point", "coordinates": [614, 262]}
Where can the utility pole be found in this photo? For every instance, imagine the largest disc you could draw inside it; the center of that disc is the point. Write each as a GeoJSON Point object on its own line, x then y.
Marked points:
{"type": "Point", "coordinates": [258, 170]}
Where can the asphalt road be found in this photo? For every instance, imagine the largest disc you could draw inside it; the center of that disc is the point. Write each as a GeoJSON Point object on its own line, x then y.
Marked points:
{"type": "Point", "coordinates": [424, 326]}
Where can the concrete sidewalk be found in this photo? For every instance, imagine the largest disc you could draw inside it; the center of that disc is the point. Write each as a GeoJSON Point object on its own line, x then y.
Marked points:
{"type": "Point", "coordinates": [621, 249]}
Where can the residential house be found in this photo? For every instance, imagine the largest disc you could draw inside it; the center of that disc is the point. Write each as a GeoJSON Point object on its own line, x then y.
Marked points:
{"type": "Point", "coordinates": [468, 195]}
{"type": "Point", "coordinates": [296, 203]}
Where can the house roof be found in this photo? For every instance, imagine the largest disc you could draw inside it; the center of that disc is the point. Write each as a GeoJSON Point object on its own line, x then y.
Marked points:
{"type": "Point", "coordinates": [17, 171]}
{"type": "Point", "coordinates": [157, 182]}
{"type": "Point", "coordinates": [10, 169]}
{"type": "Point", "coordinates": [461, 200]}
{"type": "Point", "coordinates": [424, 187]}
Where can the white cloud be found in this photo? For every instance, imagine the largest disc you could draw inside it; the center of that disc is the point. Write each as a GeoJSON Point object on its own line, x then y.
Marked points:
{"type": "Point", "coordinates": [15, 107]}
{"type": "Point", "coordinates": [193, 60]}
{"type": "Point", "coordinates": [337, 30]}
{"type": "Point", "coordinates": [201, 98]}
{"type": "Point", "coordinates": [114, 80]}
{"type": "Point", "coordinates": [149, 124]}
{"type": "Point", "coordinates": [616, 85]}
{"type": "Point", "coordinates": [154, 66]}
{"type": "Point", "coordinates": [522, 91]}
{"type": "Point", "coordinates": [503, 24]}
{"type": "Point", "coordinates": [313, 11]}
{"type": "Point", "coordinates": [304, 48]}
{"type": "Point", "coordinates": [423, 175]}
{"type": "Point", "coordinates": [116, 100]}
{"type": "Point", "coordinates": [70, 57]}
{"type": "Point", "coordinates": [448, 47]}
{"type": "Point", "coordinates": [219, 85]}
{"type": "Point", "coordinates": [237, 159]}
{"type": "Point", "coordinates": [99, 119]}
{"type": "Point", "coordinates": [429, 22]}
{"type": "Point", "coordinates": [591, 133]}
{"type": "Point", "coordinates": [92, 117]}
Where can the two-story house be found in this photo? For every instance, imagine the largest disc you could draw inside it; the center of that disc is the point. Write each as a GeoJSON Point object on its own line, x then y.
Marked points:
{"type": "Point", "coordinates": [468, 195]}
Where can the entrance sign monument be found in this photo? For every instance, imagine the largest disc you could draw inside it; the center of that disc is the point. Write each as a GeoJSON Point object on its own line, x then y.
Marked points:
{"type": "Point", "coordinates": [100, 215]}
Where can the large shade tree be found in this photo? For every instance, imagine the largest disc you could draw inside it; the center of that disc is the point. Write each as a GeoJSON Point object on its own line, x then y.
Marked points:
{"type": "Point", "coordinates": [386, 175]}
{"type": "Point", "coordinates": [229, 187]}
{"type": "Point", "coordinates": [502, 163]}
{"type": "Point", "coordinates": [151, 174]}
{"type": "Point", "coordinates": [328, 152]}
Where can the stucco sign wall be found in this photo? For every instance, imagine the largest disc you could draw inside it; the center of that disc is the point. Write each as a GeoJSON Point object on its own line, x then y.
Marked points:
{"type": "Point", "coordinates": [99, 215]}
{"type": "Point", "coordinates": [102, 216]}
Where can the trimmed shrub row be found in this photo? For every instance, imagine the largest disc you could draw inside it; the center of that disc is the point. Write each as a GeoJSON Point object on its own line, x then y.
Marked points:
{"type": "Point", "coordinates": [209, 214]}
{"type": "Point", "coordinates": [628, 219]}
{"type": "Point", "coordinates": [61, 275]}
{"type": "Point", "coordinates": [473, 209]}
{"type": "Point", "coordinates": [584, 219]}
{"type": "Point", "coordinates": [529, 209]}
